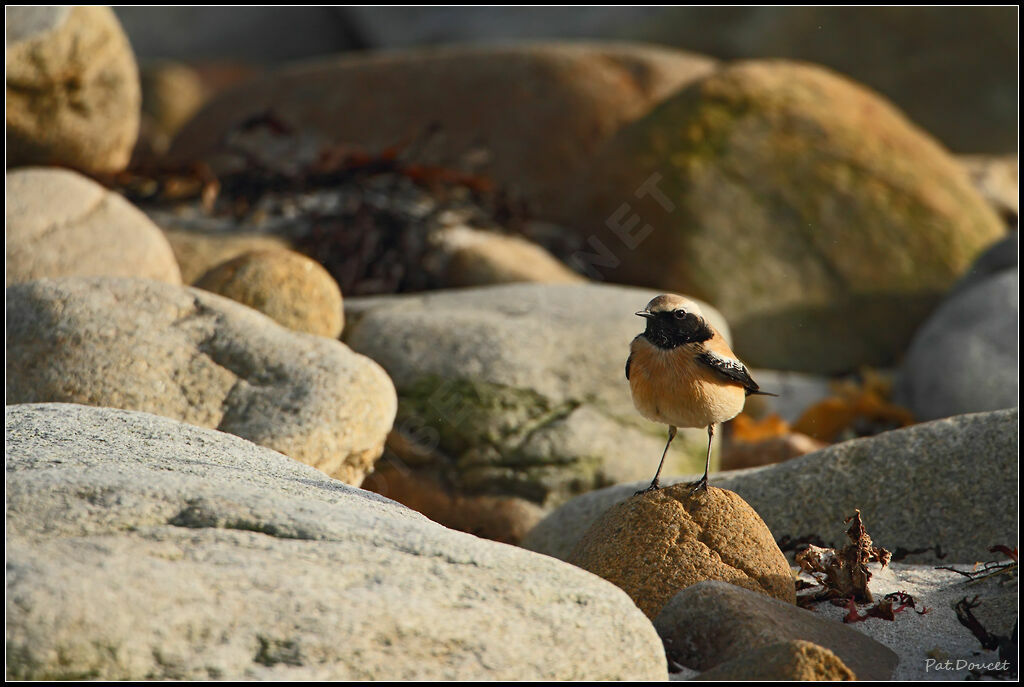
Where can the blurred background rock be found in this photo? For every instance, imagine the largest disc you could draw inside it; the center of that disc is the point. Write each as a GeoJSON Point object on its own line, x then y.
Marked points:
{"type": "Point", "coordinates": [953, 70]}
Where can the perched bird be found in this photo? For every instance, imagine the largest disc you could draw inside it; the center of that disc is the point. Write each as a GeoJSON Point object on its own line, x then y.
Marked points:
{"type": "Point", "coordinates": [682, 373]}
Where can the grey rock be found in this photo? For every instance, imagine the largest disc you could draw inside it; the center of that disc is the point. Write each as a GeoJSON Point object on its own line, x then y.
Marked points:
{"type": "Point", "coordinates": [200, 358]}
{"type": "Point", "coordinates": [712, 622]}
{"type": "Point", "coordinates": [963, 359]}
{"type": "Point", "coordinates": [60, 223]}
{"type": "Point", "coordinates": [948, 483]}
{"type": "Point", "coordinates": [143, 548]}
{"type": "Point", "coordinates": [999, 257]}
{"type": "Point", "coordinates": [521, 388]}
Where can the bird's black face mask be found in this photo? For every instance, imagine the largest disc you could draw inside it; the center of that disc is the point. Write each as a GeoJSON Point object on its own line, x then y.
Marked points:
{"type": "Point", "coordinates": [675, 328]}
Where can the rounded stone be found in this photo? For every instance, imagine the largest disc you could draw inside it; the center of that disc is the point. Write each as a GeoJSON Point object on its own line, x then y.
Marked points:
{"type": "Point", "coordinates": [60, 223]}
{"type": "Point", "coordinates": [73, 92]}
{"type": "Point", "coordinates": [964, 358]}
{"type": "Point", "coordinates": [657, 543]}
{"type": "Point", "coordinates": [200, 358]}
{"type": "Point", "coordinates": [821, 222]}
{"type": "Point", "coordinates": [287, 287]}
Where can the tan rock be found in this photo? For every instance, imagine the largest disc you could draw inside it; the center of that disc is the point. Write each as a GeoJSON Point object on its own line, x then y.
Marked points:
{"type": "Point", "coordinates": [171, 93]}
{"type": "Point", "coordinates": [539, 110]}
{"type": "Point", "coordinates": [713, 623]}
{"type": "Point", "coordinates": [288, 287]}
{"type": "Point", "coordinates": [795, 660]}
{"type": "Point", "coordinates": [72, 89]}
{"type": "Point", "coordinates": [655, 544]}
{"type": "Point", "coordinates": [474, 257]}
{"type": "Point", "coordinates": [198, 252]}
{"type": "Point", "coordinates": [819, 220]}
{"type": "Point", "coordinates": [500, 517]}
{"type": "Point", "coordinates": [60, 223]}
{"type": "Point", "coordinates": [748, 454]}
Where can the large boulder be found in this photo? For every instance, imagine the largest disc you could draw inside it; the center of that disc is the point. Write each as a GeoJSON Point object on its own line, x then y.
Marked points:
{"type": "Point", "coordinates": [539, 110]}
{"type": "Point", "coordinates": [950, 68]}
{"type": "Point", "coordinates": [60, 223]}
{"type": "Point", "coordinates": [657, 543]}
{"type": "Point", "coordinates": [72, 89]}
{"type": "Point", "coordinates": [821, 222]}
{"type": "Point", "coordinates": [512, 392]}
{"type": "Point", "coordinates": [286, 286]}
{"type": "Point", "coordinates": [199, 358]}
{"type": "Point", "coordinates": [964, 358]}
{"type": "Point", "coordinates": [712, 622]}
{"type": "Point", "coordinates": [936, 492]}
{"type": "Point", "coordinates": [140, 548]}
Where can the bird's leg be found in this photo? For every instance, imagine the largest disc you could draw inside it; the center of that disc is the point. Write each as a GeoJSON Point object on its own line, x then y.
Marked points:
{"type": "Point", "coordinates": [654, 482]}
{"type": "Point", "coordinates": [702, 483]}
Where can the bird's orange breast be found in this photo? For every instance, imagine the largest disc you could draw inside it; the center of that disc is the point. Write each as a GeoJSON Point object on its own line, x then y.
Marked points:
{"type": "Point", "coordinates": [673, 388]}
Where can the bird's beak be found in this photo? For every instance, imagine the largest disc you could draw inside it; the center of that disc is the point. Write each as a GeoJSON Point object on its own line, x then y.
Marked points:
{"type": "Point", "coordinates": [645, 314]}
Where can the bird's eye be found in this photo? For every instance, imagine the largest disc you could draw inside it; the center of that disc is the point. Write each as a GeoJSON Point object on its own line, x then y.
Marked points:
{"type": "Point", "coordinates": [679, 314]}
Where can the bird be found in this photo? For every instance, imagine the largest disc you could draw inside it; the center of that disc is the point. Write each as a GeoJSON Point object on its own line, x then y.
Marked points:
{"type": "Point", "coordinates": [682, 373]}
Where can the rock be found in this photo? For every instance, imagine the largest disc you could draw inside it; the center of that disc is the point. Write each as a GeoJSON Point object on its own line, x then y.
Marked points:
{"type": "Point", "coordinates": [748, 454]}
{"type": "Point", "coordinates": [472, 257]}
{"type": "Point", "coordinates": [197, 357]}
{"type": "Point", "coordinates": [928, 634]}
{"type": "Point", "coordinates": [794, 660]}
{"type": "Point", "coordinates": [950, 68]}
{"type": "Point", "coordinates": [72, 89]}
{"type": "Point", "coordinates": [713, 623]}
{"type": "Point", "coordinates": [860, 220]}
{"type": "Point", "coordinates": [995, 177]}
{"type": "Point", "coordinates": [947, 67]}
{"type": "Point", "coordinates": [963, 358]}
{"type": "Point", "coordinates": [287, 287]}
{"type": "Point", "coordinates": [140, 548]}
{"type": "Point", "coordinates": [941, 484]}
{"type": "Point", "coordinates": [89, 232]}
{"type": "Point", "coordinates": [199, 252]}
{"type": "Point", "coordinates": [516, 392]}
{"type": "Point", "coordinates": [539, 135]}
{"type": "Point", "coordinates": [654, 544]}
{"type": "Point", "coordinates": [171, 93]}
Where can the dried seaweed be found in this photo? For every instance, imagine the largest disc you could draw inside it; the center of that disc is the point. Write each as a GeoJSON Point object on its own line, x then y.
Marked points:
{"type": "Point", "coordinates": [989, 568]}
{"type": "Point", "coordinates": [367, 216]}
{"type": "Point", "coordinates": [845, 574]}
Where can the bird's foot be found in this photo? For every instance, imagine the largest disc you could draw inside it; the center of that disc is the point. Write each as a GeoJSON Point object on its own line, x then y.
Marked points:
{"type": "Point", "coordinates": [699, 485]}
{"type": "Point", "coordinates": [655, 486]}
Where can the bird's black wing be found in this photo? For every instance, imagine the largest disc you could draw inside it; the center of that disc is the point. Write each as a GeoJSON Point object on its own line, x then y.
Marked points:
{"type": "Point", "coordinates": [628, 361]}
{"type": "Point", "coordinates": [731, 370]}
